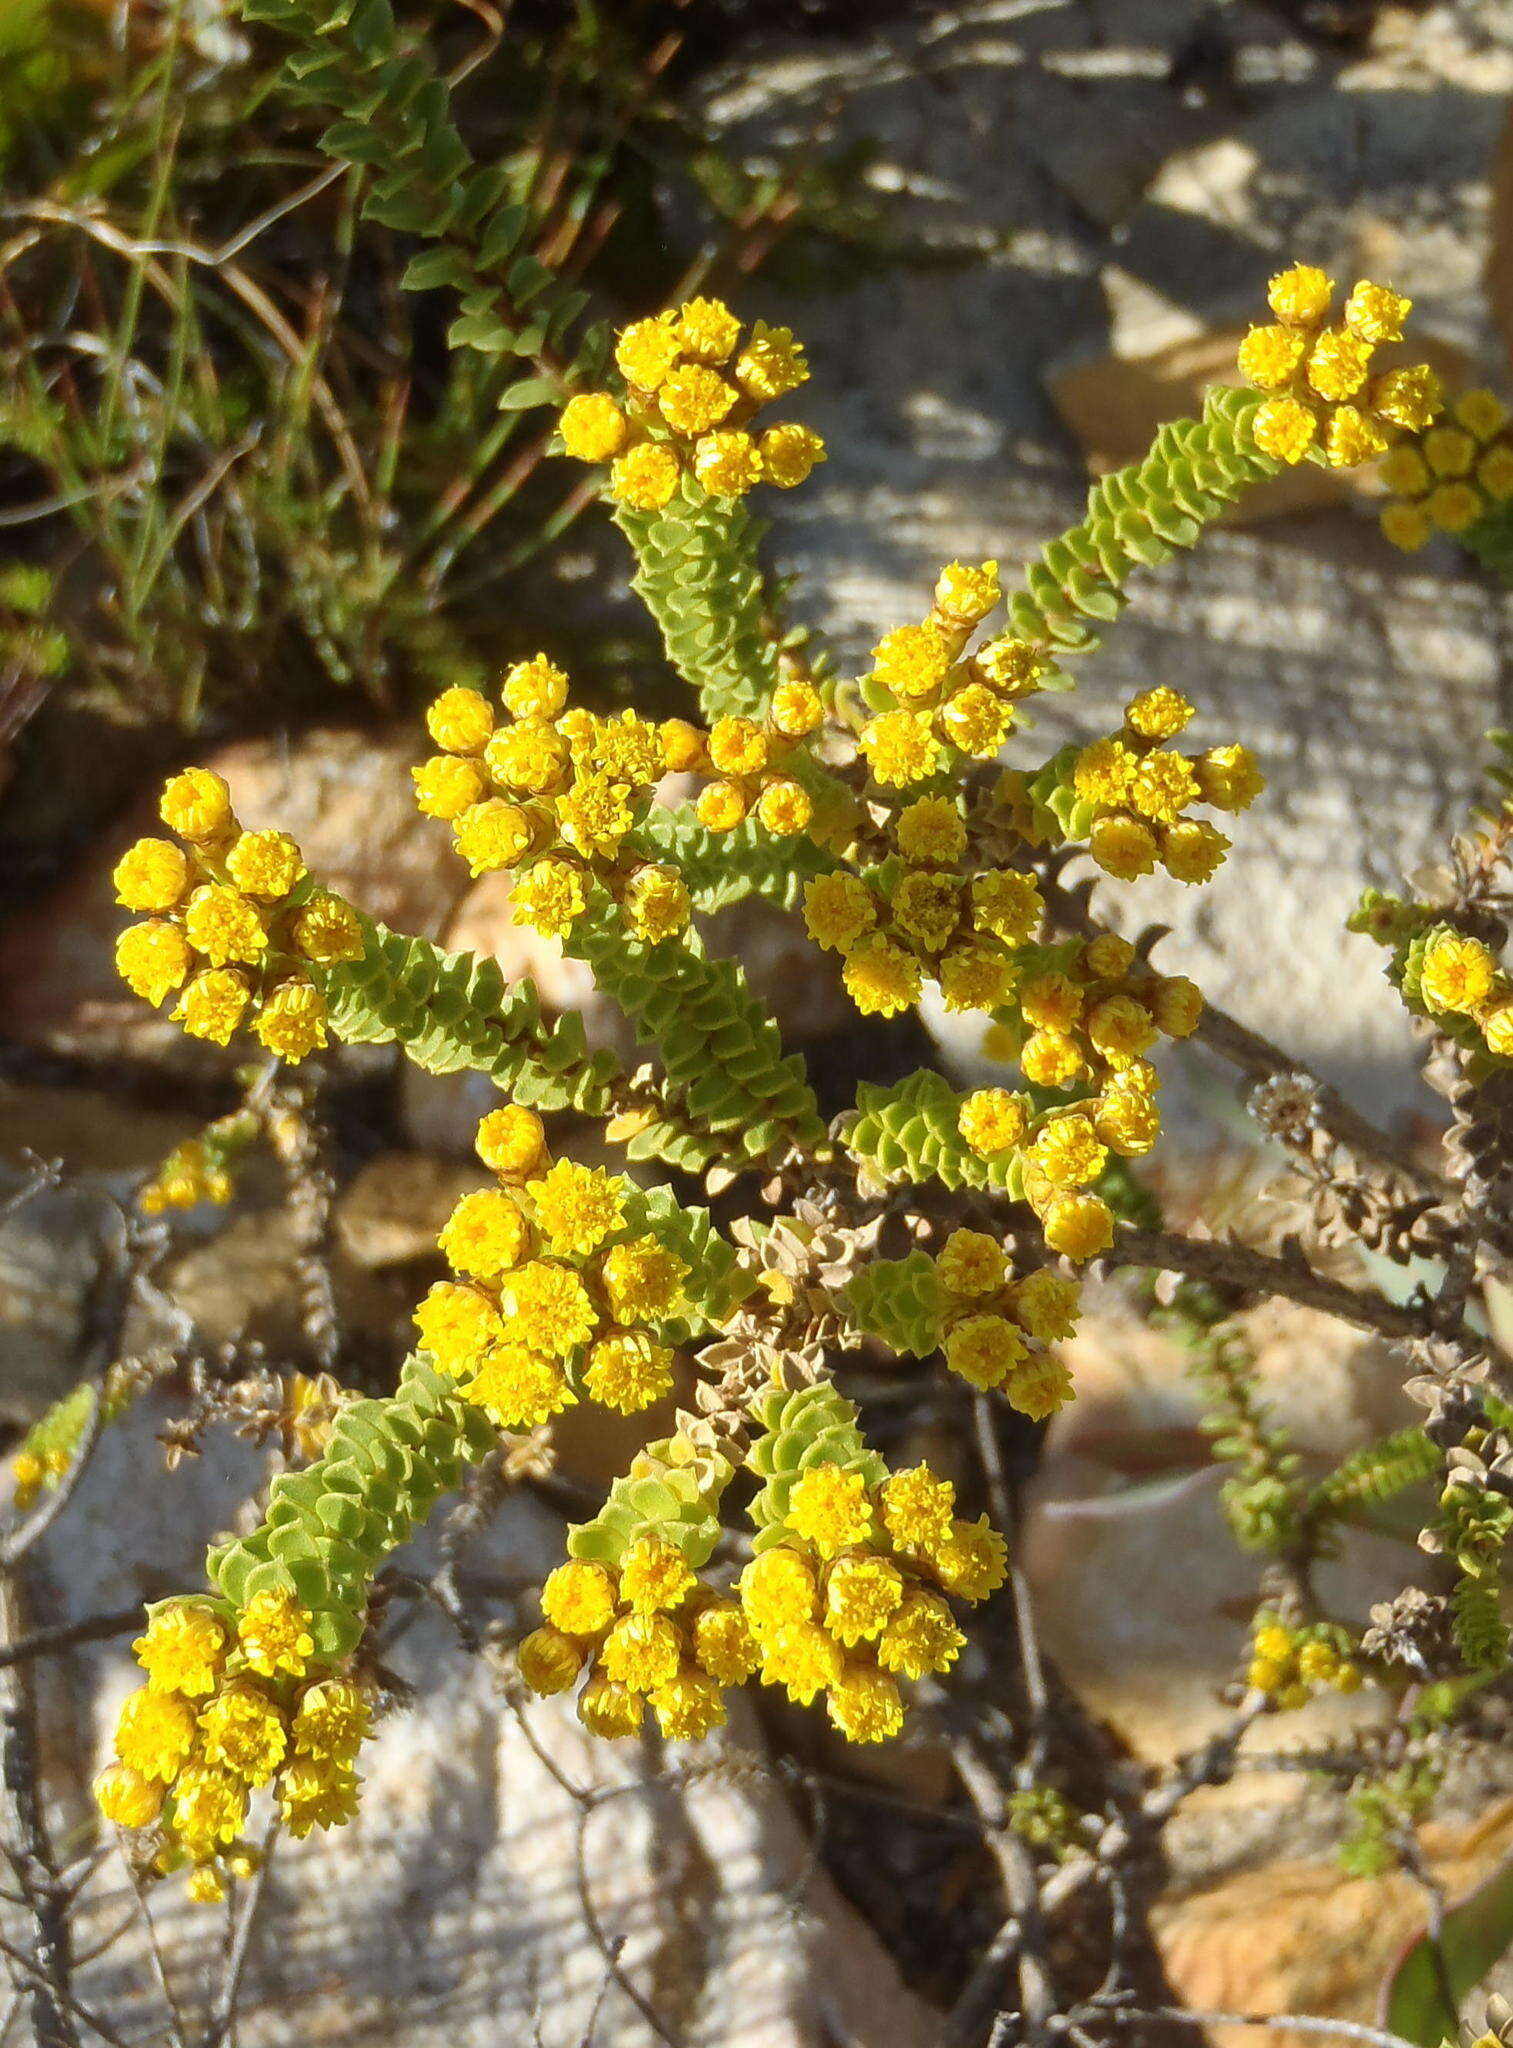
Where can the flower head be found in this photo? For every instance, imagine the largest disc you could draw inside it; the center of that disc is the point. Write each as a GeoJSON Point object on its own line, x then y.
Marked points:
{"type": "Point", "coordinates": [644, 477]}
{"type": "Point", "coordinates": [829, 1508]}
{"type": "Point", "coordinates": [546, 1308]}
{"type": "Point", "coordinates": [1456, 973]}
{"type": "Point", "coordinates": [592, 427]}
{"type": "Point", "coordinates": [992, 1121]}
{"type": "Point", "coordinates": [292, 1020]}
{"type": "Point", "coordinates": [579, 1598]}
{"type": "Point", "coordinates": [881, 978]}
{"type": "Point", "coordinates": [577, 1207]}
{"type": "Point", "coordinates": [264, 864]}
{"type": "Point", "coordinates": [274, 1630]}
{"type": "Point", "coordinates": [694, 398]}
{"type": "Point", "coordinates": [487, 1234]}
{"type": "Point", "coordinates": [511, 1140]}
{"type": "Point", "coordinates": [151, 875]}
{"type": "Point", "coordinates": [900, 748]}
{"type": "Point", "coordinates": [655, 1576]}
{"type": "Point", "coordinates": [771, 364]}
{"type": "Point", "coordinates": [627, 1371]}
{"type": "Point", "coordinates": [244, 1732]}
{"type": "Point", "coordinates": [213, 1004]}
{"type": "Point", "coordinates": [197, 805]}
{"type": "Point", "coordinates": [314, 1792]}
{"type": "Point", "coordinates": [460, 721]}
{"type": "Point", "coordinates": [223, 925]}
{"type": "Point", "coordinates": [646, 351]}
{"type": "Point", "coordinates": [643, 1281]}
{"type": "Point", "coordinates": [182, 1649]}
{"type": "Point", "coordinates": [152, 959]}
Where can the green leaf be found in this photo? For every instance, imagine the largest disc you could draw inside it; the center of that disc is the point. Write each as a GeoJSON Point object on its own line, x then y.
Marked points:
{"type": "Point", "coordinates": [1477, 1934]}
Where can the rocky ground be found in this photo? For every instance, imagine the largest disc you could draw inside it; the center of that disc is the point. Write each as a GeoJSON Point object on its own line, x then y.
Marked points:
{"type": "Point", "coordinates": [1068, 201]}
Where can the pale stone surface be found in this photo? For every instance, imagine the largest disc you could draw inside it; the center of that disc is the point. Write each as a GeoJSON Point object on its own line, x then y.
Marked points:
{"type": "Point", "coordinates": [450, 1913]}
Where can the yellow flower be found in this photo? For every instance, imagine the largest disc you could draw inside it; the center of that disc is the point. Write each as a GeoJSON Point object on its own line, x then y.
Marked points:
{"type": "Point", "coordinates": [547, 1308]}
{"type": "Point", "coordinates": [973, 1561]}
{"type": "Point", "coordinates": [1269, 356]}
{"type": "Point", "coordinates": [487, 1233]}
{"type": "Point", "coordinates": [1011, 665]}
{"type": "Point", "coordinates": [1228, 778]}
{"type": "Point", "coordinates": [829, 1509]}
{"type": "Point", "coordinates": [211, 1006]}
{"type": "Point", "coordinates": [209, 1807]}
{"type": "Point", "coordinates": [737, 746]}
{"type": "Point", "coordinates": [124, 1796]}
{"type": "Point", "coordinates": [511, 1140]}
{"type": "Point", "coordinates": [861, 1593]}
{"type": "Point", "coordinates": [517, 1387]}
{"type": "Point", "coordinates": [1338, 364]}
{"type": "Point", "coordinates": [493, 834]}
{"type": "Point", "coordinates": [964, 595]}
{"type": "Point", "coordinates": [706, 329]}
{"type": "Point", "coordinates": [182, 1649]}
{"type": "Point", "coordinates": [646, 351]}
{"type": "Point", "coordinates": [1449, 451]}
{"type": "Point", "coordinates": [1284, 429]}
{"type": "Point", "coordinates": [1051, 1058]}
{"type": "Point", "coordinates": [1177, 1006]}
{"type": "Point", "coordinates": [224, 926]}
{"type": "Point", "coordinates": [654, 1575]}
{"type": "Point", "coordinates": [1495, 472]}
{"type": "Point", "coordinates": [1108, 956]}
{"type": "Point", "coordinates": [1038, 1387]}
{"type": "Point", "coordinates": [460, 721]}
{"type": "Point", "coordinates": [688, 1706]}
{"type": "Point", "coordinates": [592, 427]}
{"type": "Point", "coordinates": [531, 756]}
{"type": "Point", "coordinates": [265, 863]}
{"type": "Point", "coordinates": [723, 1645]}
{"type": "Point", "coordinates": [292, 1020]}
{"type": "Point", "coordinates": [864, 1704]}
{"type": "Point", "coordinates": [976, 721]}
{"type": "Point", "coordinates": [901, 748]}
{"type": "Point", "coordinates": [1123, 847]}
{"type": "Point", "coordinates": [1067, 1150]}
{"type": "Point", "coordinates": [917, 1506]}
{"type": "Point", "coordinates": [640, 1652]}
{"type": "Point", "coordinates": [457, 1325]}
{"type": "Point", "coordinates": [982, 1348]}
{"type": "Point", "coordinates": [1192, 851]}
{"type": "Point", "coordinates": [693, 399]}
{"type": "Point", "coordinates": [797, 709]}
{"type": "Point", "coordinates": [627, 749]}
{"type": "Point", "coordinates": [1128, 1122]}
{"type": "Point", "coordinates": [331, 1719]}
{"type": "Point", "coordinates": [549, 1661]}
{"type": "Point", "coordinates": [729, 464]}
{"type": "Point", "coordinates": [922, 1637]}
{"type": "Point", "coordinates": [327, 929]}
{"type": "Point", "coordinates": [549, 897]}
{"type": "Point", "coordinates": [152, 959]}
{"type": "Point", "coordinates": [1403, 469]}
{"type": "Point", "coordinates": [1051, 1001]}
{"type": "Point", "coordinates": [1481, 413]}
{"type": "Point", "coordinates": [627, 1371]}
{"type": "Point", "coordinates": [1409, 398]}
{"type": "Point", "coordinates": [610, 1711]}
{"type": "Point", "coordinates": [790, 454]}
{"type": "Point", "coordinates": [243, 1731]}
{"type": "Point", "coordinates": [785, 807]}
{"type": "Point", "coordinates": [446, 786]}
{"type": "Point", "coordinates": [911, 661]}
{"type": "Point", "coordinates": [1120, 1028]}
{"type": "Point", "coordinates": [991, 1121]}
{"type": "Point", "coordinates": [801, 1659]}
{"type": "Point", "coordinates": [881, 978]}
{"type": "Point", "coordinates": [975, 978]}
{"type": "Point", "coordinates": [1046, 1306]}
{"type": "Point", "coordinates": [931, 829]}
{"type": "Point", "coordinates": [152, 875]}
{"type": "Point", "coordinates": [594, 816]}
{"type": "Point", "coordinates": [771, 364]}
{"type": "Point", "coordinates": [1497, 1028]}
{"type": "Point", "coordinates": [643, 1281]}
{"type": "Point", "coordinates": [927, 906]}
{"type": "Point", "coordinates": [1301, 296]}
{"type": "Point", "coordinates": [1079, 1226]}
{"type": "Point", "coordinates": [1158, 714]}
{"type": "Point", "coordinates": [197, 805]}
{"type": "Point", "coordinates": [1454, 507]}
{"type": "Point", "coordinates": [1456, 973]}
{"type": "Point", "coordinates": [1104, 772]}
{"type": "Point", "coordinates": [154, 1732]}
{"type": "Point", "coordinates": [580, 1598]}
{"type": "Point", "coordinates": [315, 1793]}
{"type": "Point", "coordinates": [721, 807]}
{"type": "Point", "coordinates": [656, 901]}
{"type": "Point", "coordinates": [275, 1633]}
{"type": "Point", "coordinates": [1008, 905]}
{"type": "Point", "coordinates": [778, 1590]}
{"type": "Point", "coordinates": [1375, 313]}
{"type": "Point", "coordinates": [1163, 786]}
{"type": "Point", "coordinates": [535, 689]}
{"type": "Point", "coordinates": [1352, 438]}
{"type": "Point", "coordinates": [838, 909]}
{"type": "Point", "coordinates": [577, 1207]}
{"type": "Point", "coordinates": [644, 477]}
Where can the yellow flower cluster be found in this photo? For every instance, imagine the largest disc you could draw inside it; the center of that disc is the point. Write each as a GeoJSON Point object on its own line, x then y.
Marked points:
{"type": "Point", "coordinates": [1459, 976]}
{"type": "Point", "coordinates": [933, 701]}
{"type": "Point", "coordinates": [853, 1597]}
{"type": "Point", "coordinates": [648, 1632]}
{"type": "Point", "coordinates": [996, 1329]}
{"type": "Point", "coordinates": [1141, 788]}
{"type": "Point", "coordinates": [1323, 392]}
{"type": "Point", "coordinates": [695, 381]}
{"type": "Point", "coordinates": [1290, 1665]}
{"type": "Point", "coordinates": [230, 1706]}
{"type": "Point", "coordinates": [555, 1296]}
{"type": "Point", "coordinates": [233, 924]}
{"type": "Point", "coordinates": [189, 1175]}
{"type": "Point", "coordinates": [553, 794]}
{"type": "Point", "coordinates": [1447, 477]}
{"type": "Point", "coordinates": [750, 761]}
